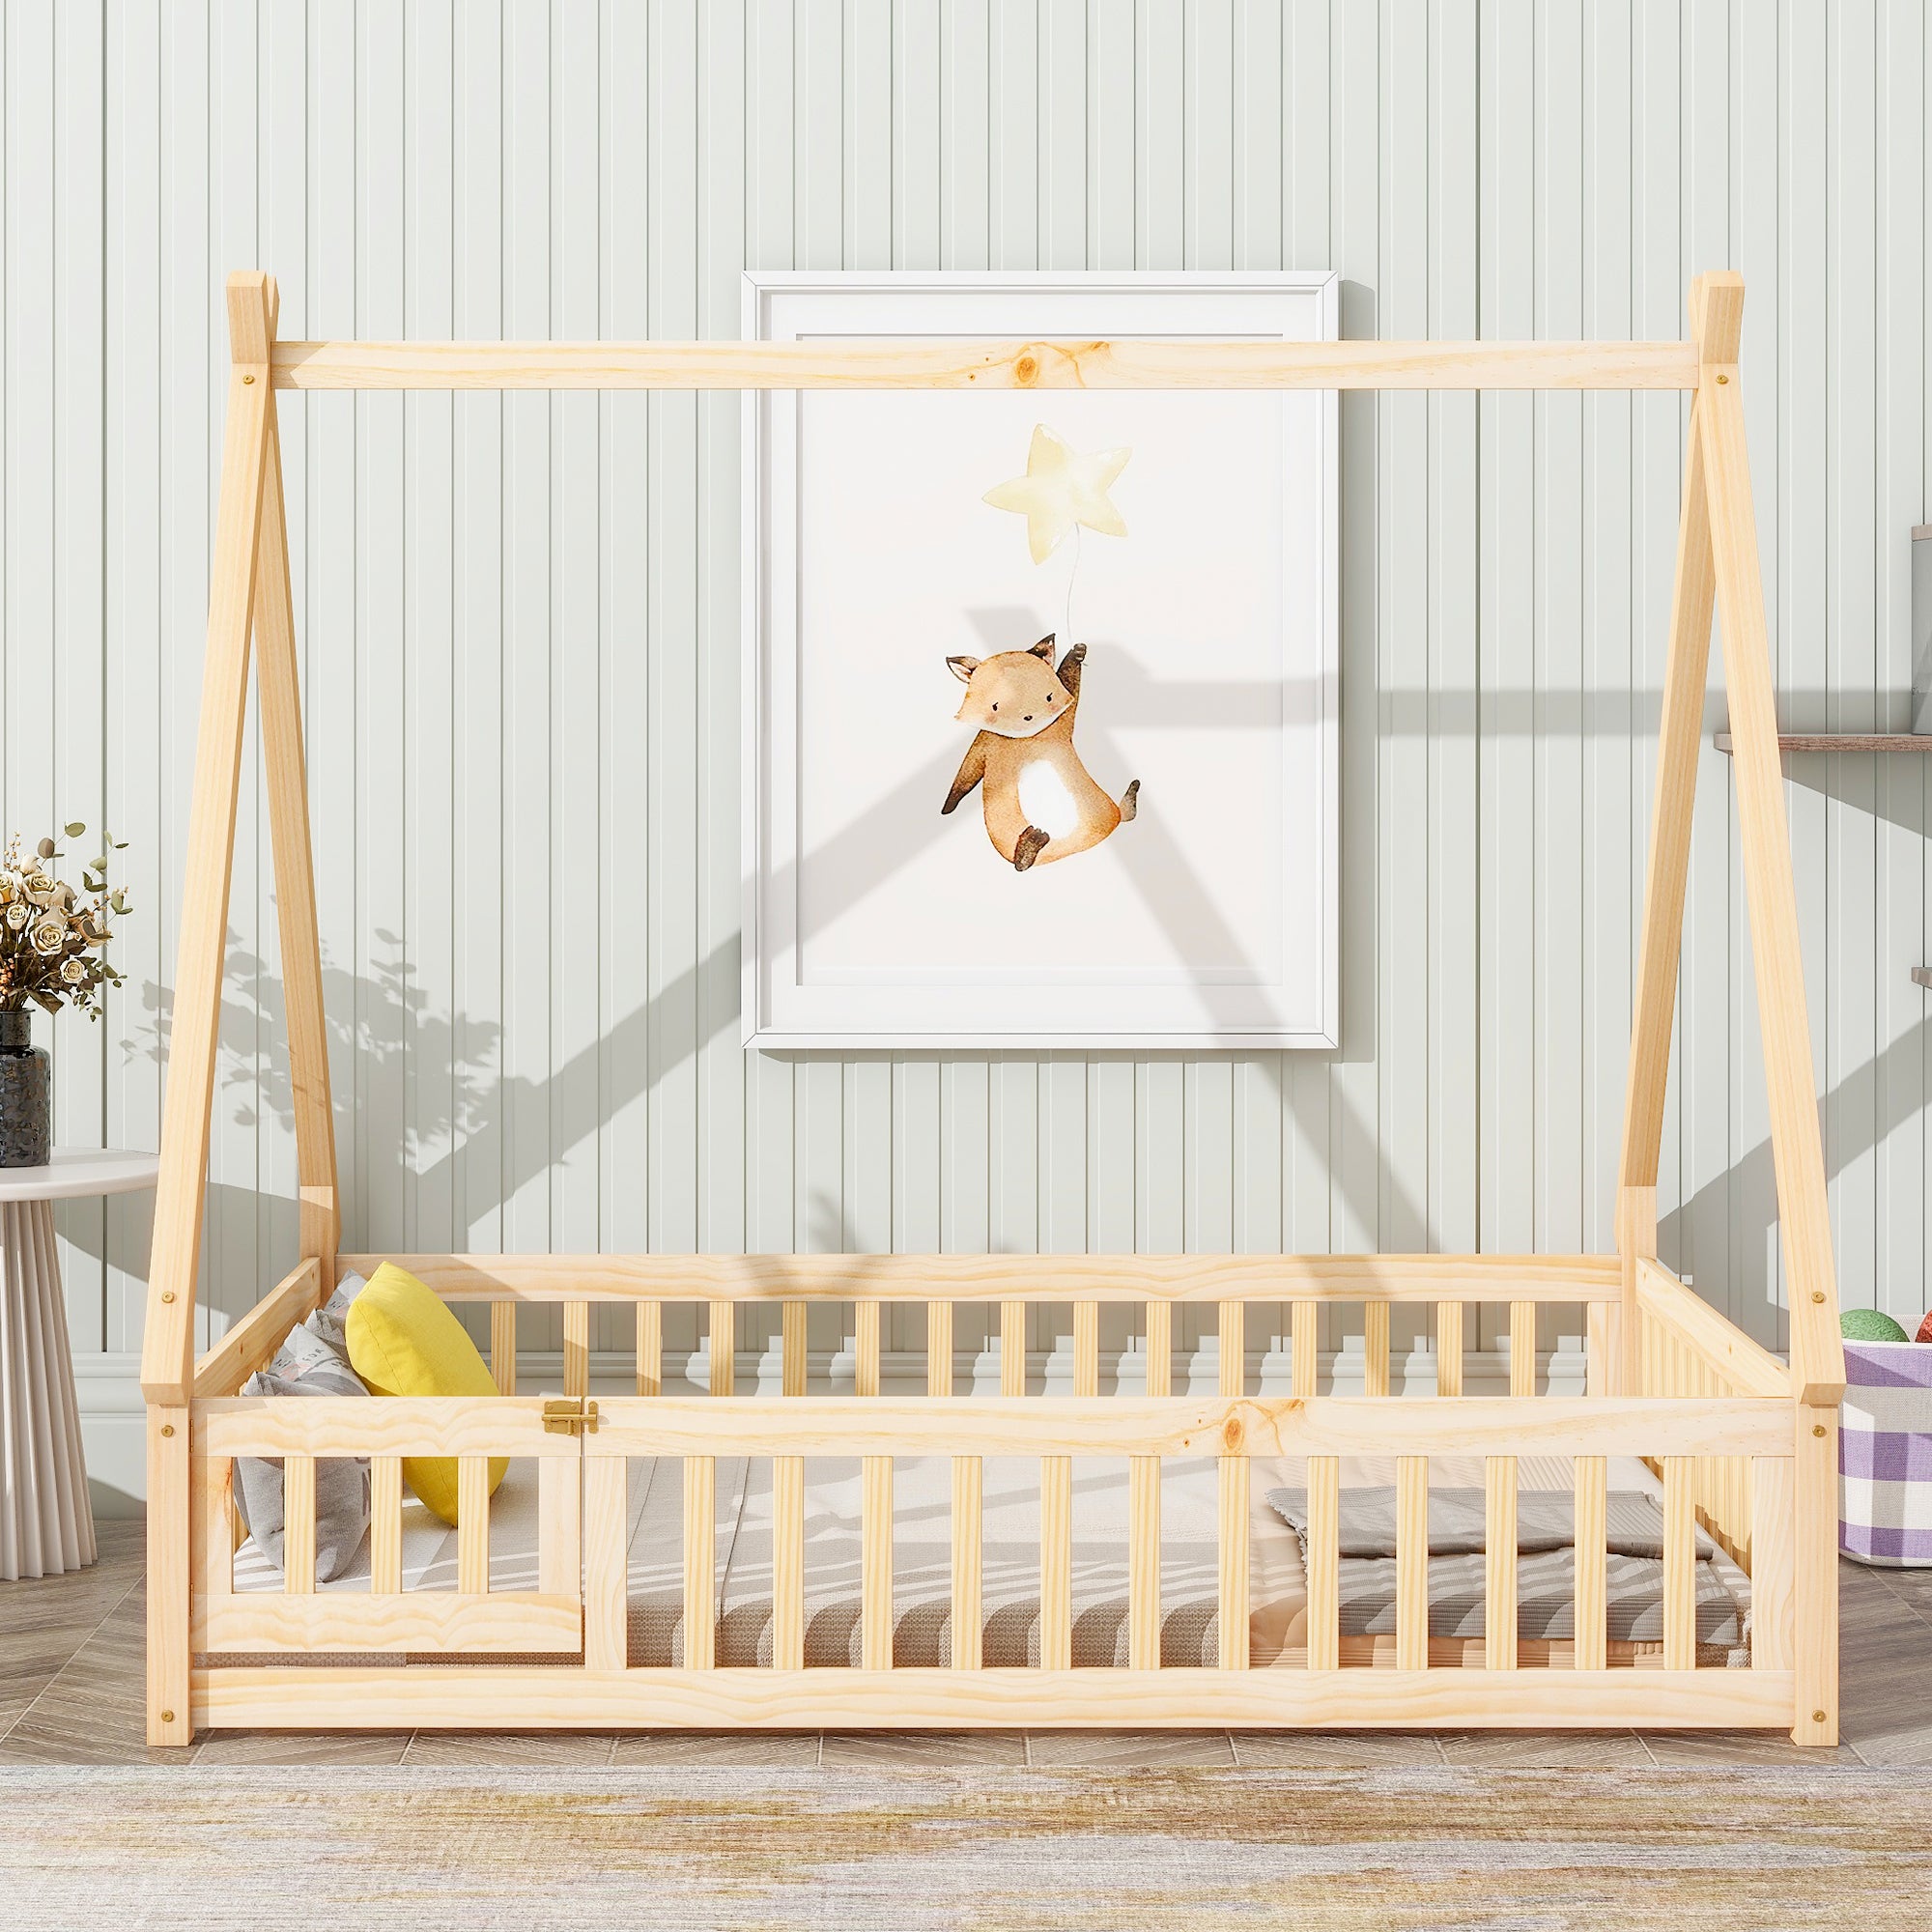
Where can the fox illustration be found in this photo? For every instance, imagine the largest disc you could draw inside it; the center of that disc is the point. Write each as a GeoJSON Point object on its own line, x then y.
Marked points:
{"type": "Point", "coordinates": [1041, 803]}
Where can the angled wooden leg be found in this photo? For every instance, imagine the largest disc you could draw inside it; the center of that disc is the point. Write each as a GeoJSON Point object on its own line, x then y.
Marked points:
{"type": "Point", "coordinates": [1679, 744]}
{"type": "Point", "coordinates": [283, 761]}
{"type": "Point", "coordinates": [167, 1346]}
{"type": "Point", "coordinates": [1771, 894]}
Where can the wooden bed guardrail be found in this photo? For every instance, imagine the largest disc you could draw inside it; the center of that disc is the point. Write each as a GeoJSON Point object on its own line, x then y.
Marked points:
{"type": "Point", "coordinates": [1306, 1282]}
{"type": "Point", "coordinates": [696, 1432]}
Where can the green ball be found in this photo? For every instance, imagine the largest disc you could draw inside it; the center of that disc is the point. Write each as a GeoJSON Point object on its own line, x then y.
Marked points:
{"type": "Point", "coordinates": [1870, 1324]}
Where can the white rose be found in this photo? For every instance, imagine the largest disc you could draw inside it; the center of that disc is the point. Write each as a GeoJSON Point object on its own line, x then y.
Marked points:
{"type": "Point", "coordinates": [74, 972]}
{"type": "Point", "coordinates": [50, 937]}
{"type": "Point", "coordinates": [18, 915]}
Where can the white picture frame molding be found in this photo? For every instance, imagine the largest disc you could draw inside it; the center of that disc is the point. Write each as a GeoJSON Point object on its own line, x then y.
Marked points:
{"type": "Point", "coordinates": [1177, 1008]}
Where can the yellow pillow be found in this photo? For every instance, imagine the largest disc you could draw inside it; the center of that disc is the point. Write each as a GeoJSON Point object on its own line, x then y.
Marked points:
{"type": "Point", "coordinates": [404, 1340]}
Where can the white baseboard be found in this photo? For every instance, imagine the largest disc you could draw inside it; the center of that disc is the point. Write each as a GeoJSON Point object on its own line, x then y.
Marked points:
{"type": "Point", "coordinates": [113, 1431]}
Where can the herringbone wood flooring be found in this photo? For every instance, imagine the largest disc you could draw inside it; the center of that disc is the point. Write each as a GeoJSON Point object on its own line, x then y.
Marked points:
{"type": "Point", "coordinates": [72, 1659]}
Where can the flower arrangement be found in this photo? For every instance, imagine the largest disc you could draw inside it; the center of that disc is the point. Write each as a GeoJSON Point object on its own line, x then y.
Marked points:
{"type": "Point", "coordinates": [52, 939]}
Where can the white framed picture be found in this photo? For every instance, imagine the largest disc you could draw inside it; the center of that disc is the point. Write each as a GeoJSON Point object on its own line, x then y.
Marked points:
{"type": "Point", "coordinates": [1040, 687]}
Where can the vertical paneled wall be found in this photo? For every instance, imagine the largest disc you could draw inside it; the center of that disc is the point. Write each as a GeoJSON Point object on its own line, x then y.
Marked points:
{"type": "Point", "coordinates": [519, 614]}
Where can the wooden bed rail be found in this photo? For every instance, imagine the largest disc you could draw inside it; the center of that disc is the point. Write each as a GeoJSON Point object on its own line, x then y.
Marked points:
{"type": "Point", "coordinates": [579, 1607]}
{"type": "Point", "coordinates": [1003, 1278]}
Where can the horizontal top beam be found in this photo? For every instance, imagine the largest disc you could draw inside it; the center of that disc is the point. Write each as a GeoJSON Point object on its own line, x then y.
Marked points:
{"type": "Point", "coordinates": [927, 363]}
{"type": "Point", "coordinates": [823, 1277]}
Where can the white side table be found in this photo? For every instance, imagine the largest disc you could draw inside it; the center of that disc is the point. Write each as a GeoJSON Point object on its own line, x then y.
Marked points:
{"type": "Point", "coordinates": [45, 1524]}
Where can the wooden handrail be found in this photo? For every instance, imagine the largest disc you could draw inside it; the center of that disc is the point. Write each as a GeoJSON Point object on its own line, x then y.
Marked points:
{"type": "Point", "coordinates": [1719, 1344]}
{"type": "Point", "coordinates": [259, 1333]}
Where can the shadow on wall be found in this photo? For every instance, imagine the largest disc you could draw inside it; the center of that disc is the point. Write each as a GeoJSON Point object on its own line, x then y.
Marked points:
{"type": "Point", "coordinates": [454, 1124]}
{"type": "Point", "coordinates": [456, 1131]}
{"type": "Point", "coordinates": [475, 1157]}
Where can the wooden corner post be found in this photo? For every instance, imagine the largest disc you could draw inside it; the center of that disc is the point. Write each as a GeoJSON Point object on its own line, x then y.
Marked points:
{"type": "Point", "coordinates": [167, 1345]}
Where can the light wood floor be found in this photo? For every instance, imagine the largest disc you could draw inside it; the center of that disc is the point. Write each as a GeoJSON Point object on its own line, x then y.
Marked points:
{"type": "Point", "coordinates": [70, 1663]}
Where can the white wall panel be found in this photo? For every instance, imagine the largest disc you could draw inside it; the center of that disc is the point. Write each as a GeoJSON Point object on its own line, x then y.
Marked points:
{"type": "Point", "coordinates": [519, 614]}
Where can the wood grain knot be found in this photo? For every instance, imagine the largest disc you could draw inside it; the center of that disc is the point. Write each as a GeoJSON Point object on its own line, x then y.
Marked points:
{"type": "Point", "coordinates": [1231, 1436]}
{"type": "Point", "coordinates": [1026, 370]}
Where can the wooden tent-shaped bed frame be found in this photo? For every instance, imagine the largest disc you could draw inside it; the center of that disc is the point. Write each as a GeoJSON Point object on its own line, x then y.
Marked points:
{"type": "Point", "coordinates": [1746, 1446]}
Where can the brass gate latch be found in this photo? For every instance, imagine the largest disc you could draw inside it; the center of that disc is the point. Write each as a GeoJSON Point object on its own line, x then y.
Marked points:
{"type": "Point", "coordinates": [574, 1413]}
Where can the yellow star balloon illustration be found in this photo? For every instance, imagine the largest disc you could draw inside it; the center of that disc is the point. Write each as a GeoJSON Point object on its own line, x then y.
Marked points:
{"type": "Point", "coordinates": [1062, 488]}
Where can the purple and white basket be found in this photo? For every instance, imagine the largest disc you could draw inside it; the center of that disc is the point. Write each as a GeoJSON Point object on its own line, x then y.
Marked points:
{"type": "Point", "coordinates": [1884, 1455]}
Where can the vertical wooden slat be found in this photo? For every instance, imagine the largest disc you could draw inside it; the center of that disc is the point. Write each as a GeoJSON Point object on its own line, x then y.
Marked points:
{"type": "Point", "coordinates": [1143, 1562]}
{"type": "Point", "coordinates": [577, 1348]}
{"type": "Point", "coordinates": [559, 1525]}
{"type": "Point", "coordinates": [213, 1523]}
{"type": "Point", "coordinates": [1448, 1347]}
{"type": "Point", "coordinates": [299, 1524]}
{"type": "Point", "coordinates": [1324, 1537]}
{"type": "Point", "coordinates": [1304, 1325]}
{"type": "Point", "coordinates": [1086, 1347]}
{"type": "Point", "coordinates": [1523, 1347]}
{"type": "Point", "coordinates": [1012, 1348]}
{"type": "Point", "coordinates": [650, 1347]}
{"type": "Point", "coordinates": [939, 1348]}
{"type": "Point", "coordinates": [700, 1562]}
{"type": "Point", "coordinates": [1159, 1348]}
{"type": "Point", "coordinates": [1233, 1348]}
{"type": "Point", "coordinates": [875, 1517]}
{"type": "Point", "coordinates": [791, 1344]}
{"type": "Point", "coordinates": [875, 1563]}
{"type": "Point", "coordinates": [1604, 1366]}
{"type": "Point", "coordinates": [1772, 1508]}
{"type": "Point", "coordinates": [1375, 1347]}
{"type": "Point", "coordinates": [385, 1526]}
{"type": "Point", "coordinates": [605, 1514]}
{"type": "Point", "coordinates": [503, 1345]}
{"type": "Point", "coordinates": [473, 1524]}
{"type": "Point", "coordinates": [1056, 1562]}
{"type": "Point", "coordinates": [1679, 1562]}
{"type": "Point", "coordinates": [1412, 1561]}
{"type": "Point", "coordinates": [968, 1525]}
{"type": "Point", "coordinates": [788, 1562]}
{"type": "Point", "coordinates": [723, 1346]}
{"type": "Point", "coordinates": [866, 1349]}
{"type": "Point", "coordinates": [1592, 1593]}
{"type": "Point", "coordinates": [1233, 1595]}
{"type": "Point", "coordinates": [1499, 1563]}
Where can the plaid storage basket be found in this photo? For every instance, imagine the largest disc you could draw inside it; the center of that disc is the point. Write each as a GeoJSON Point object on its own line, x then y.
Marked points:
{"type": "Point", "coordinates": [1884, 1455]}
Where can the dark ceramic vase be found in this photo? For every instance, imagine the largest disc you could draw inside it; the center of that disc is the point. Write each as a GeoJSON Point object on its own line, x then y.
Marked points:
{"type": "Point", "coordinates": [26, 1094]}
